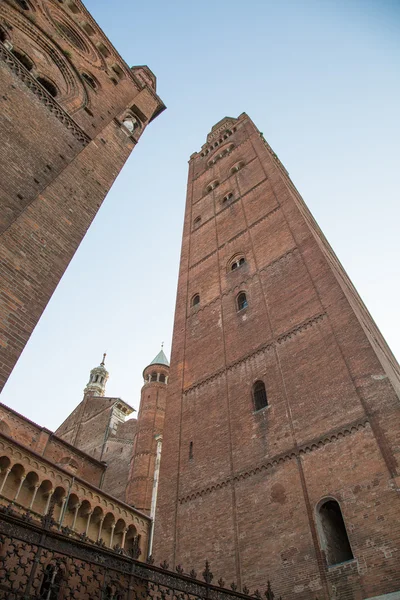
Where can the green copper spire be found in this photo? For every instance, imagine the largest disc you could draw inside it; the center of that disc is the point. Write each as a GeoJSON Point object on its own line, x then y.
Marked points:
{"type": "Point", "coordinates": [160, 359]}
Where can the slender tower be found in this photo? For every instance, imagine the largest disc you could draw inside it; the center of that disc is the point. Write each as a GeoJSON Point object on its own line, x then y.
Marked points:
{"type": "Point", "coordinates": [281, 459]}
{"type": "Point", "coordinates": [142, 485]}
{"type": "Point", "coordinates": [100, 427]}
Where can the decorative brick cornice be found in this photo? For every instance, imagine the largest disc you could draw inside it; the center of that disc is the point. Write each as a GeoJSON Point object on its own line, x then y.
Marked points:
{"type": "Point", "coordinates": [216, 150]}
{"type": "Point", "coordinates": [294, 453]}
{"type": "Point", "coordinates": [118, 440]}
{"type": "Point", "coordinates": [19, 70]}
{"type": "Point", "coordinates": [261, 350]}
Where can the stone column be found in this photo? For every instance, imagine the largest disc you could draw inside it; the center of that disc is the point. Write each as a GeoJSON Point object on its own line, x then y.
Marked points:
{"type": "Point", "coordinates": [112, 535]}
{"type": "Point", "coordinates": [123, 537]}
{"type": "Point", "coordinates": [88, 522]}
{"type": "Point", "coordinates": [5, 479]}
{"type": "Point", "coordinates": [62, 509]}
{"type": "Point", "coordinates": [34, 496]}
{"type": "Point", "coordinates": [100, 528]}
{"type": "Point", "coordinates": [19, 487]}
{"type": "Point", "coordinates": [77, 507]}
{"type": "Point", "coordinates": [46, 510]}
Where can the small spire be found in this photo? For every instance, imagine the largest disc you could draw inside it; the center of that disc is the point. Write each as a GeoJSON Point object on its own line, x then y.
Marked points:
{"type": "Point", "coordinates": [104, 359]}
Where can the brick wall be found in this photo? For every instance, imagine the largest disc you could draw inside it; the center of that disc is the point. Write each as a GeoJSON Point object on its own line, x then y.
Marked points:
{"type": "Point", "coordinates": [59, 156]}
{"type": "Point", "coordinates": [248, 496]}
{"type": "Point", "coordinates": [150, 427]}
{"type": "Point", "coordinates": [51, 447]}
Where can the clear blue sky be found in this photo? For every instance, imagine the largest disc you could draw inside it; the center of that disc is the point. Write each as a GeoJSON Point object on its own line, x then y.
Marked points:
{"type": "Point", "coordinates": [320, 79]}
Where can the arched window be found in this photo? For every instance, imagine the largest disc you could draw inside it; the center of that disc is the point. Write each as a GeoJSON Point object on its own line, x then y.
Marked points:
{"type": "Point", "coordinates": [211, 186]}
{"type": "Point", "coordinates": [28, 64]}
{"type": "Point", "coordinates": [3, 36]}
{"type": "Point", "coordinates": [196, 222]}
{"type": "Point", "coordinates": [90, 81]}
{"type": "Point", "coordinates": [227, 198]}
{"type": "Point", "coordinates": [131, 123]}
{"type": "Point", "coordinates": [72, 36]}
{"type": "Point", "coordinates": [237, 167]}
{"type": "Point", "coordinates": [153, 376]}
{"type": "Point", "coordinates": [196, 300]}
{"type": "Point", "coordinates": [50, 87]}
{"type": "Point", "coordinates": [334, 538]}
{"type": "Point", "coordinates": [162, 378]}
{"type": "Point", "coordinates": [259, 395]}
{"type": "Point", "coordinates": [238, 262]}
{"type": "Point", "coordinates": [242, 301]}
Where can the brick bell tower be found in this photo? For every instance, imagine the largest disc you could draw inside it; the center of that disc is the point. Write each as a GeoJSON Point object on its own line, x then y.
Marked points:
{"type": "Point", "coordinates": [71, 113]}
{"type": "Point", "coordinates": [280, 460]}
{"type": "Point", "coordinates": [142, 486]}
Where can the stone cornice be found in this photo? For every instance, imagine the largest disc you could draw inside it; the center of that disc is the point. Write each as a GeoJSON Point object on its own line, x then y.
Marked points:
{"type": "Point", "coordinates": [19, 70]}
{"type": "Point", "coordinates": [264, 348]}
{"type": "Point", "coordinates": [293, 453]}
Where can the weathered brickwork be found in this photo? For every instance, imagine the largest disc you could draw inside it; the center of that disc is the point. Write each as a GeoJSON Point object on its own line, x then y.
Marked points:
{"type": "Point", "coordinates": [98, 427]}
{"type": "Point", "coordinates": [245, 486]}
{"type": "Point", "coordinates": [42, 474]}
{"type": "Point", "coordinates": [47, 444]}
{"type": "Point", "coordinates": [148, 438]}
{"type": "Point", "coordinates": [65, 94]}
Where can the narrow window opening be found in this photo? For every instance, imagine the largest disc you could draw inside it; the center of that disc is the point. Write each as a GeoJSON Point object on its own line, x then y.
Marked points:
{"type": "Point", "coordinates": [103, 49]}
{"type": "Point", "coordinates": [89, 30]}
{"type": "Point", "coordinates": [153, 376]}
{"type": "Point", "coordinates": [48, 86]}
{"type": "Point", "coordinates": [197, 222]}
{"type": "Point", "coordinates": [162, 378]}
{"type": "Point", "coordinates": [242, 301]}
{"type": "Point", "coordinates": [28, 64]}
{"type": "Point", "coordinates": [191, 451]}
{"type": "Point", "coordinates": [196, 300]}
{"type": "Point", "coordinates": [335, 539]}
{"type": "Point", "coordinates": [227, 198]}
{"type": "Point", "coordinates": [90, 81]}
{"type": "Point", "coordinates": [23, 4]}
{"type": "Point", "coordinates": [238, 262]}
{"type": "Point", "coordinates": [3, 36]}
{"type": "Point", "coordinates": [259, 395]}
{"type": "Point", "coordinates": [118, 71]}
{"type": "Point", "coordinates": [72, 6]}
{"type": "Point", "coordinates": [237, 167]}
